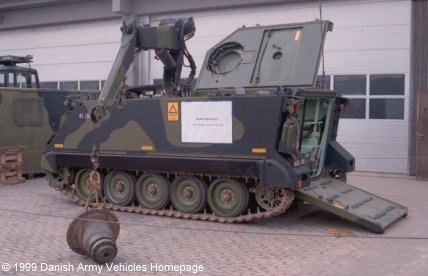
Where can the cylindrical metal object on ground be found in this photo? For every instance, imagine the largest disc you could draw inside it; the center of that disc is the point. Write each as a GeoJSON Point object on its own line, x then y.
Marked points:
{"type": "Point", "coordinates": [93, 233]}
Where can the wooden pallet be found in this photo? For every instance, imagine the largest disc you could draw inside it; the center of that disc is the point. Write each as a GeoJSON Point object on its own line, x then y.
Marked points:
{"type": "Point", "coordinates": [11, 165]}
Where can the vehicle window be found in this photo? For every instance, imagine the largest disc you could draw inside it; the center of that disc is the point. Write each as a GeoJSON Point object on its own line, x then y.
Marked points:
{"type": "Point", "coordinates": [11, 80]}
{"type": "Point", "coordinates": [33, 80]}
{"type": "Point", "coordinates": [22, 80]}
{"type": "Point", "coordinates": [2, 80]}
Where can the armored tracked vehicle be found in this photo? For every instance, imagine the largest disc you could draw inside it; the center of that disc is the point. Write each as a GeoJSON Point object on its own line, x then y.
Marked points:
{"type": "Point", "coordinates": [29, 115]}
{"type": "Point", "coordinates": [250, 138]}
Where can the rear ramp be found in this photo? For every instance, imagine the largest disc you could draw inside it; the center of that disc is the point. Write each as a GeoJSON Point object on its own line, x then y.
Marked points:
{"type": "Point", "coordinates": [367, 210]}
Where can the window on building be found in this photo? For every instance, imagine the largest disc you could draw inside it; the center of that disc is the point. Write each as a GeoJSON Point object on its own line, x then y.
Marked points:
{"type": "Point", "coordinates": [357, 109]}
{"type": "Point", "coordinates": [323, 80]}
{"type": "Point", "coordinates": [103, 82]}
{"type": "Point", "coordinates": [384, 98]}
{"type": "Point", "coordinates": [71, 85]}
{"type": "Point", "coordinates": [354, 88]}
{"type": "Point", "coordinates": [49, 84]}
{"type": "Point", "coordinates": [392, 84]}
{"type": "Point", "coordinates": [391, 103]}
{"type": "Point", "coordinates": [350, 84]}
{"type": "Point", "coordinates": [386, 108]}
{"type": "Point", "coordinates": [89, 85]}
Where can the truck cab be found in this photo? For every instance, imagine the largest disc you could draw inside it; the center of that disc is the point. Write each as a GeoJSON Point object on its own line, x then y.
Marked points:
{"type": "Point", "coordinates": [12, 75]}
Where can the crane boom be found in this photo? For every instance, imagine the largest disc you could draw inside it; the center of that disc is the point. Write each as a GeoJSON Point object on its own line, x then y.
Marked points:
{"type": "Point", "coordinates": [168, 41]}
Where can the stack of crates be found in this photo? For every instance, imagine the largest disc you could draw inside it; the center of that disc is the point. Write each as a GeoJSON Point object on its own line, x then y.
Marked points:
{"type": "Point", "coordinates": [11, 165]}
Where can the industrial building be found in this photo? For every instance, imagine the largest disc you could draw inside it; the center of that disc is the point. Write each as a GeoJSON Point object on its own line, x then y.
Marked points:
{"type": "Point", "coordinates": [376, 56]}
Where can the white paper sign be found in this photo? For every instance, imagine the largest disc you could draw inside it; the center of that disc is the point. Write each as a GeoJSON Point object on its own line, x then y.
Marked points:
{"type": "Point", "coordinates": [206, 122]}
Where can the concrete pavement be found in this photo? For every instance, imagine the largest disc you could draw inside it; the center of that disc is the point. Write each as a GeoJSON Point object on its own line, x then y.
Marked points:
{"type": "Point", "coordinates": [34, 219]}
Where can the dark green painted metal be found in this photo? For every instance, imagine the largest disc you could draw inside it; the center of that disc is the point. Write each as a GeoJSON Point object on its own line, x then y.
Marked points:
{"type": "Point", "coordinates": [30, 115]}
{"type": "Point", "coordinates": [259, 77]}
{"type": "Point", "coordinates": [368, 210]}
{"type": "Point", "coordinates": [280, 55]}
{"type": "Point", "coordinates": [189, 194]}
{"type": "Point", "coordinates": [82, 185]}
{"type": "Point", "coordinates": [227, 197]}
{"type": "Point", "coordinates": [119, 187]}
{"type": "Point", "coordinates": [152, 191]}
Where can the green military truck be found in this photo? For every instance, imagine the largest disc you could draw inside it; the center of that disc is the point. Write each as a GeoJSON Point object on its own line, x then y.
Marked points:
{"type": "Point", "coordinates": [248, 140]}
{"type": "Point", "coordinates": [29, 114]}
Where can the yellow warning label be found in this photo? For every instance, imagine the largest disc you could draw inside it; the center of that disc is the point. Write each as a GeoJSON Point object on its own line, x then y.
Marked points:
{"type": "Point", "coordinates": [298, 35]}
{"type": "Point", "coordinates": [173, 112]}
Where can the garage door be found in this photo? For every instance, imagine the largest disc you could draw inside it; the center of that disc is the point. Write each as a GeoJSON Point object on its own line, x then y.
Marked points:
{"type": "Point", "coordinates": [69, 52]}
{"type": "Point", "coordinates": [366, 55]}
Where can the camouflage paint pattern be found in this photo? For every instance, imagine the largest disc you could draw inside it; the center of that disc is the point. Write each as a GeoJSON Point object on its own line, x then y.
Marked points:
{"type": "Point", "coordinates": [45, 104]}
{"type": "Point", "coordinates": [260, 73]}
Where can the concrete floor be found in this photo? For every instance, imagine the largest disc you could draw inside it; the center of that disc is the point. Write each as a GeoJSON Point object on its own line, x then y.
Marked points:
{"type": "Point", "coordinates": [34, 219]}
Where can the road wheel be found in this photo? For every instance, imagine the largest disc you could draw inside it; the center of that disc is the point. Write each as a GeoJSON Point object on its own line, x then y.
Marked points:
{"type": "Point", "coordinates": [152, 191]}
{"type": "Point", "coordinates": [188, 194]}
{"type": "Point", "coordinates": [83, 187]}
{"type": "Point", "coordinates": [119, 187]}
{"type": "Point", "coordinates": [227, 197]}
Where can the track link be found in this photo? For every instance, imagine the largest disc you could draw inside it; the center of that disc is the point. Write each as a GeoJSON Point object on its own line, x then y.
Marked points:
{"type": "Point", "coordinates": [247, 217]}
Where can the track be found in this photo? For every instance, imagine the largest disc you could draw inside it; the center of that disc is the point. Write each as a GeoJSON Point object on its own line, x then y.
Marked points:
{"type": "Point", "coordinates": [247, 217]}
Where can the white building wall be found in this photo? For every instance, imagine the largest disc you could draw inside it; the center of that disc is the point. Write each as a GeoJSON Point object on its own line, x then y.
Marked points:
{"type": "Point", "coordinates": [68, 52]}
{"type": "Point", "coordinates": [373, 38]}
{"type": "Point", "coordinates": [369, 37]}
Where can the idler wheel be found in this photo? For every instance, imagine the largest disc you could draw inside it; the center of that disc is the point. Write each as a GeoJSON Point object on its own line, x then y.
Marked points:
{"type": "Point", "coordinates": [152, 191]}
{"type": "Point", "coordinates": [227, 197]}
{"type": "Point", "coordinates": [268, 198]}
{"type": "Point", "coordinates": [119, 187]}
{"type": "Point", "coordinates": [189, 194]}
{"type": "Point", "coordinates": [83, 186]}
{"type": "Point", "coordinates": [94, 233]}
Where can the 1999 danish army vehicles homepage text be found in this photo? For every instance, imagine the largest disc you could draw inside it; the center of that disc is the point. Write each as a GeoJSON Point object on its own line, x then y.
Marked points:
{"type": "Point", "coordinates": [250, 138]}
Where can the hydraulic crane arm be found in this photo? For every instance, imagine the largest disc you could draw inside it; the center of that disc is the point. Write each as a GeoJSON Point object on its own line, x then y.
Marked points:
{"type": "Point", "coordinates": [168, 41]}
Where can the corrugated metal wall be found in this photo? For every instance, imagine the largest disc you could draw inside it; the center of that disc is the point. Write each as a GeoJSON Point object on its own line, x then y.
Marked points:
{"type": "Point", "coordinates": [369, 37]}
{"type": "Point", "coordinates": [82, 51]}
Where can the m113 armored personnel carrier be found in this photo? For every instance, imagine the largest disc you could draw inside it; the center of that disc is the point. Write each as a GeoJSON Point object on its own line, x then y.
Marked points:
{"type": "Point", "coordinates": [250, 138]}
